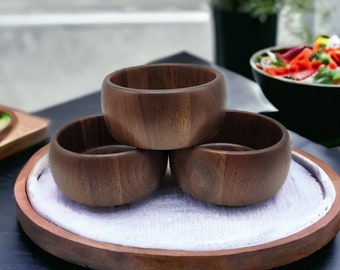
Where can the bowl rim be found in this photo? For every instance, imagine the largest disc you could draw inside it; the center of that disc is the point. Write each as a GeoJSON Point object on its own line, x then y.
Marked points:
{"type": "Point", "coordinates": [277, 48]}
{"type": "Point", "coordinates": [218, 77]}
{"type": "Point", "coordinates": [74, 154]}
{"type": "Point", "coordinates": [280, 143]}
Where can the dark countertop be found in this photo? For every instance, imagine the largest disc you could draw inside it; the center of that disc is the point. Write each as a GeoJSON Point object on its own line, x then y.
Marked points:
{"type": "Point", "coordinates": [17, 251]}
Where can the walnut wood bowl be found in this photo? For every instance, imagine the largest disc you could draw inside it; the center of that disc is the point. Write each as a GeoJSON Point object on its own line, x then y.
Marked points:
{"type": "Point", "coordinates": [92, 168]}
{"type": "Point", "coordinates": [164, 106]}
{"type": "Point", "coordinates": [245, 163]}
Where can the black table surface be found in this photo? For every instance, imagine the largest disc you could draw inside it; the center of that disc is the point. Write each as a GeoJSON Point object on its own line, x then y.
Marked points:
{"type": "Point", "coordinates": [17, 251]}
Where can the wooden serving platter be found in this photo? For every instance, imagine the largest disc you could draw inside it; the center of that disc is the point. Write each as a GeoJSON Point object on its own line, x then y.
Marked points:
{"type": "Point", "coordinates": [100, 255]}
{"type": "Point", "coordinates": [25, 130]}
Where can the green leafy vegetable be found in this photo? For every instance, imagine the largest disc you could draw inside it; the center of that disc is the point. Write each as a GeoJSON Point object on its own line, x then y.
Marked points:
{"type": "Point", "coordinates": [321, 56]}
{"type": "Point", "coordinates": [278, 62]}
{"type": "Point", "coordinates": [327, 76]}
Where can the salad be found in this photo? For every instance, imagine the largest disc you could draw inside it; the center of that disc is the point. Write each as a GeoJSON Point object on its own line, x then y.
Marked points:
{"type": "Point", "coordinates": [319, 63]}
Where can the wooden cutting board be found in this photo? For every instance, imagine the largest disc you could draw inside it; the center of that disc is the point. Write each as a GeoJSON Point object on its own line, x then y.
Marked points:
{"type": "Point", "coordinates": [25, 130]}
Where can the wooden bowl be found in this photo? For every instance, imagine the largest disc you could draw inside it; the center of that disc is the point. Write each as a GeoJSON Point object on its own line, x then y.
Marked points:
{"type": "Point", "coordinates": [164, 106]}
{"type": "Point", "coordinates": [309, 109]}
{"type": "Point", "coordinates": [245, 163]}
{"type": "Point", "coordinates": [92, 168]}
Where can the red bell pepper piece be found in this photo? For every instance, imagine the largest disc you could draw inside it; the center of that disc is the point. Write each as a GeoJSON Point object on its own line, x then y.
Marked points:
{"type": "Point", "coordinates": [334, 53]}
{"type": "Point", "coordinates": [301, 61]}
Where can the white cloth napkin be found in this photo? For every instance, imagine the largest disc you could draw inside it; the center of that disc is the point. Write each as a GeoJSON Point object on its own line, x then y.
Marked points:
{"type": "Point", "coordinates": [172, 220]}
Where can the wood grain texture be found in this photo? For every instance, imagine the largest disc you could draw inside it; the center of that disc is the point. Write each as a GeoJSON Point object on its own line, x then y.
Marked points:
{"type": "Point", "coordinates": [164, 106]}
{"type": "Point", "coordinates": [91, 167]}
{"type": "Point", "coordinates": [245, 163]}
{"type": "Point", "coordinates": [25, 130]}
{"type": "Point", "coordinates": [99, 255]}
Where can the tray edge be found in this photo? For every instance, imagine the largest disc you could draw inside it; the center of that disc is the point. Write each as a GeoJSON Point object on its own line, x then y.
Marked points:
{"type": "Point", "coordinates": [273, 254]}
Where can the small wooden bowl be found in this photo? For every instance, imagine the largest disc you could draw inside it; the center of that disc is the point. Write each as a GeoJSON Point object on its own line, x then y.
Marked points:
{"type": "Point", "coordinates": [245, 163]}
{"type": "Point", "coordinates": [92, 168]}
{"type": "Point", "coordinates": [164, 106]}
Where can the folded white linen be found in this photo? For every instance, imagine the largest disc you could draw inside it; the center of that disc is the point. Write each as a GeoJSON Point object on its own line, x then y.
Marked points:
{"type": "Point", "coordinates": [172, 220]}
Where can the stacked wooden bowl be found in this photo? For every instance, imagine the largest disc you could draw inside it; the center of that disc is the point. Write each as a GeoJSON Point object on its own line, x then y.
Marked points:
{"type": "Point", "coordinates": [152, 111]}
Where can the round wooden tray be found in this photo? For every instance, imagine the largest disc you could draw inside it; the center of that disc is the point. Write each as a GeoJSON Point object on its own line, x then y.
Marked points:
{"type": "Point", "coordinates": [99, 255]}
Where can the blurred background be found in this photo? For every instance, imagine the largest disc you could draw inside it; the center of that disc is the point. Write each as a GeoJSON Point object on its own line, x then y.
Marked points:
{"type": "Point", "coordinates": [53, 51]}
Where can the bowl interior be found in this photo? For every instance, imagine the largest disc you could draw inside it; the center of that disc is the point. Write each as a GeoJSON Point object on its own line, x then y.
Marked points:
{"type": "Point", "coordinates": [277, 49]}
{"type": "Point", "coordinates": [244, 131]}
{"type": "Point", "coordinates": [162, 77]}
{"type": "Point", "coordinates": [90, 136]}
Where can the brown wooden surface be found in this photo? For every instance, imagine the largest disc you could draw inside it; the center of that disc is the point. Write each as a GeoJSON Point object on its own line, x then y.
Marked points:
{"type": "Point", "coordinates": [98, 255]}
{"type": "Point", "coordinates": [93, 168]}
{"type": "Point", "coordinates": [164, 107]}
{"type": "Point", "coordinates": [25, 131]}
